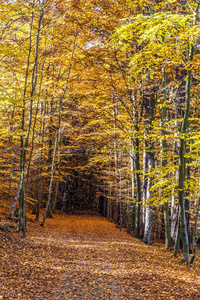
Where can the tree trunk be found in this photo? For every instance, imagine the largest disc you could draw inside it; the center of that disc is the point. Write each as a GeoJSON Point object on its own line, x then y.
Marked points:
{"type": "Point", "coordinates": [25, 146]}
{"type": "Point", "coordinates": [145, 183]}
{"type": "Point", "coordinates": [151, 166]}
{"type": "Point", "coordinates": [149, 208]}
{"type": "Point", "coordinates": [182, 151]}
{"type": "Point", "coordinates": [14, 202]}
{"type": "Point", "coordinates": [139, 194]}
{"type": "Point", "coordinates": [174, 222]}
{"type": "Point", "coordinates": [195, 230]}
{"type": "Point", "coordinates": [164, 162]}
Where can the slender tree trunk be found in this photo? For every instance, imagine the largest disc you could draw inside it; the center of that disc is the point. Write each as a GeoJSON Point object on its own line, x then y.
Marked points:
{"type": "Point", "coordinates": [128, 209]}
{"type": "Point", "coordinates": [54, 200]}
{"type": "Point", "coordinates": [195, 230]}
{"type": "Point", "coordinates": [109, 193]}
{"type": "Point", "coordinates": [174, 222]}
{"type": "Point", "coordinates": [151, 166]}
{"type": "Point", "coordinates": [14, 202]}
{"type": "Point", "coordinates": [121, 206]}
{"type": "Point", "coordinates": [116, 200]}
{"type": "Point", "coordinates": [25, 146]}
{"type": "Point", "coordinates": [132, 185]}
{"type": "Point", "coordinates": [149, 208]}
{"type": "Point", "coordinates": [23, 121]}
{"type": "Point", "coordinates": [43, 111]}
{"type": "Point", "coordinates": [139, 194]}
{"type": "Point", "coordinates": [174, 204]}
{"type": "Point", "coordinates": [31, 153]}
{"type": "Point", "coordinates": [182, 151]}
{"type": "Point", "coordinates": [164, 163]}
{"type": "Point", "coordinates": [182, 168]}
{"type": "Point", "coordinates": [144, 185]}
{"type": "Point", "coordinates": [178, 236]}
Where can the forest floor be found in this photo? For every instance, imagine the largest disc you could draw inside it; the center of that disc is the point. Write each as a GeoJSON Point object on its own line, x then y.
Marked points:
{"type": "Point", "coordinates": [86, 257]}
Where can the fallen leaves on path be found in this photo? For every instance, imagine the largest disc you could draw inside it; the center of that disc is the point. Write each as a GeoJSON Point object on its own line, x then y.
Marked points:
{"type": "Point", "coordinates": [86, 257]}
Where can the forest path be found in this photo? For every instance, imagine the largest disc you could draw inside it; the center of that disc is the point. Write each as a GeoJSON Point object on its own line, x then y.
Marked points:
{"type": "Point", "coordinates": [86, 257]}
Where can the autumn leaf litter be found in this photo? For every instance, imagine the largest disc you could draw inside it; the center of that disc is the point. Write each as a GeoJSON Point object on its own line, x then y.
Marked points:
{"type": "Point", "coordinates": [86, 257]}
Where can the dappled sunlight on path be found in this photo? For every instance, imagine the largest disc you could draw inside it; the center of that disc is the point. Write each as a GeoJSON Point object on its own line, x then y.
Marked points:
{"type": "Point", "coordinates": [86, 257]}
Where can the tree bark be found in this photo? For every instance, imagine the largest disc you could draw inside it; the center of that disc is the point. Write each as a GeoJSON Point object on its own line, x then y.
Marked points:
{"type": "Point", "coordinates": [164, 162]}
{"type": "Point", "coordinates": [151, 166]}
{"type": "Point", "coordinates": [195, 230]}
{"type": "Point", "coordinates": [25, 146]}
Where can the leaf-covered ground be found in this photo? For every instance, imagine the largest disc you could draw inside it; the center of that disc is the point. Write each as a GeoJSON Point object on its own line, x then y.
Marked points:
{"type": "Point", "coordinates": [86, 257]}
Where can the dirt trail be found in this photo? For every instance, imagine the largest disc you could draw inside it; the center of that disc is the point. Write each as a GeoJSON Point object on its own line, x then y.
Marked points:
{"type": "Point", "coordinates": [86, 257]}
